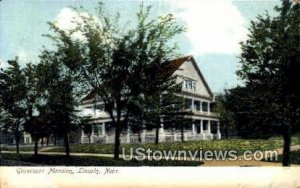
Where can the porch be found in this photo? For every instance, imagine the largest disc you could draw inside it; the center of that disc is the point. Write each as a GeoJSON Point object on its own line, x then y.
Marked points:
{"type": "Point", "coordinates": [199, 130]}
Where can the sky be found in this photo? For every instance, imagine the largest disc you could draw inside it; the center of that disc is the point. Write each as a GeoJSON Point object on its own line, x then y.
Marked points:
{"type": "Point", "coordinates": [214, 29]}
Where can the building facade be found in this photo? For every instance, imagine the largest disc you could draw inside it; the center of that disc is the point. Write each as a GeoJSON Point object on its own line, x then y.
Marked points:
{"type": "Point", "coordinates": [198, 97]}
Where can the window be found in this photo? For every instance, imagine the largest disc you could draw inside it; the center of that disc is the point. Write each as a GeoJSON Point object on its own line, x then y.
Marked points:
{"type": "Point", "coordinates": [190, 84]}
{"type": "Point", "coordinates": [198, 126]}
{"type": "Point", "coordinates": [205, 125]}
{"type": "Point", "coordinates": [96, 129]}
{"type": "Point", "coordinates": [197, 105]}
{"type": "Point", "coordinates": [204, 106]}
{"type": "Point", "coordinates": [188, 103]}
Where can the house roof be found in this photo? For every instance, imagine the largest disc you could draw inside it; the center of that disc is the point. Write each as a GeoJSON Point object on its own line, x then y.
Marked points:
{"type": "Point", "coordinates": [170, 67]}
{"type": "Point", "coordinates": [201, 76]}
{"type": "Point", "coordinates": [89, 96]}
{"type": "Point", "coordinates": [173, 65]}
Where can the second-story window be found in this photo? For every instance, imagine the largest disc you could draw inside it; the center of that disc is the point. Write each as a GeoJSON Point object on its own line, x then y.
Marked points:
{"type": "Point", "coordinates": [205, 106]}
{"type": "Point", "coordinates": [190, 84]}
{"type": "Point", "coordinates": [188, 103]}
{"type": "Point", "coordinates": [197, 105]}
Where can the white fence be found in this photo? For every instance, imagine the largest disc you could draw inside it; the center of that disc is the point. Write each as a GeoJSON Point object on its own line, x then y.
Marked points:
{"type": "Point", "coordinates": [150, 138]}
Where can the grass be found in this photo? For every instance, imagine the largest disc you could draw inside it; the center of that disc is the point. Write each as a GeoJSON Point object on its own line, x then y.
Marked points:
{"type": "Point", "coordinates": [55, 160]}
{"type": "Point", "coordinates": [13, 148]}
{"type": "Point", "coordinates": [240, 145]}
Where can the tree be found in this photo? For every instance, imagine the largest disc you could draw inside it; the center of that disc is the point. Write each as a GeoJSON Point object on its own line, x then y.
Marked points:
{"type": "Point", "coordinates": [176, 113]}
{"type": "Point", "coordinates": [36, 119]}
{"type": "Point", "coordinates": [270, 67]}
{"type": "Point", "coordinates": [60, 100]}
{"type": "Point", "coordinates": [224, 106]}
{"type": "Point", "coordinates": [13, 91]}
{"type": "Point", "coordinates": [110, 59]}
{"type": "Point", "coordinates": [20, 98]}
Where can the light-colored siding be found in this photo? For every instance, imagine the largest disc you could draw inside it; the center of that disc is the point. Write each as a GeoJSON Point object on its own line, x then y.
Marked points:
{"type": "Point", "coordinates": [187, 70]}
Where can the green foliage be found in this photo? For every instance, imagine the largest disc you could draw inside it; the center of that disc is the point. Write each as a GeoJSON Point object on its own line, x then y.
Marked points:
{"type": "Point", "coordinates": [60, 100]}
{"type": "Point", "coordinates": [224, 106]}
{"type": "Point", "coordinates": [116, 62]}
{"type": "Point", "coordinates": [16, 99]}
{"type": "Point", "coordinates": [270, 67]}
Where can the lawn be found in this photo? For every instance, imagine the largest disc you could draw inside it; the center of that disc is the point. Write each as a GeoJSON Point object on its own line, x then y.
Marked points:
{"type": "Point", "coordinates": [240, 145]}
{"type": "Point", "coordinates": [13, 148]}
{"type": "Point", "coordinates": [55, 160]}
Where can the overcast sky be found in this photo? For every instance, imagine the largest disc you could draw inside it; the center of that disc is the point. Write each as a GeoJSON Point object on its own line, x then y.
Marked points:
{"type": "Point", "coordinates": [215, 28]}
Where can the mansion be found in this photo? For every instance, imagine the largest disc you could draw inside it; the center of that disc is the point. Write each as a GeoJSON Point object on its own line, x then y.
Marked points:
{"type": "Point", "coordinates": [197, 95]}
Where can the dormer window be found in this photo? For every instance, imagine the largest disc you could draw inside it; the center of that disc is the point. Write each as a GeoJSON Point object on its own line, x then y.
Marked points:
{"type": "Point", "coordinates": [190, 84]}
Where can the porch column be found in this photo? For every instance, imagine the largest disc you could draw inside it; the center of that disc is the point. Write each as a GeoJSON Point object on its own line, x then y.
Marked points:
{"type": "Point", "coordinates": [201, 109]}
{"type": "Point", "coordinates": [82, 136]}
{"type": "Point", "coordinates": [208, 107]}
{"type": "Point", "coordinates": [143, 135]}
{"type": "Point", "coordinates": [128, 134]}
{"type": "Point", "coordinates": [103, 129]}
{"type": "Point", "coordinates": [193, 128]}
{"type": "Point", "coordinates": [174, 134]}
{"type": "Point", "coordinates": [99, 133]}
{"type": "Point", "coordinates": [161, 131]}
{"type": "Point", "coordinates": [209, 129]}
{"type": "Point", "coordinates": [185, 136]}
{"type": "Point", "coordinates": [193, 105]}
{"type": "Point", "coordinates": [201, 126]}
{"type": "Point", "coordinates": [218, 130]}
{"type": "Point", "coordinates": [92, 134]}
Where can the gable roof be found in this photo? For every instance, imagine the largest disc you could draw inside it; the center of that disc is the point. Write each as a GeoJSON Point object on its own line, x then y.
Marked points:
{"type": "Point", "coordinates": [170, 67]}
{"type": "Point", "coordinates": [201, 76]}
{"type": "Point", "coordinates": [173, 65]}
{"type": "Point", "coordinates": [89, 96]}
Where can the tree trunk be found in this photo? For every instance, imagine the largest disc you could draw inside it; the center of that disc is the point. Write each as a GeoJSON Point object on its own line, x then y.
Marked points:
{"type": "Point", "coordinates": [286, 161]}
{"type": "Point", "coordinates": [17, 147]}
{"type": "Point", "coordinates": [36, 143]}
{"type": "Point", "coordinates": [67, 144]}
{"type": "Point", "coordinates": [17, 137]}
{"type": "Point", "coordinates": [117, 140]}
